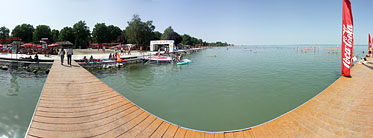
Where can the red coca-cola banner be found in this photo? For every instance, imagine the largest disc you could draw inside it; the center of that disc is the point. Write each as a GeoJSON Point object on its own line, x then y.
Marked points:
{"type": "Point", "coordinates": [369, 42]}
{"type": "Point", "coordinates": [347, 38]}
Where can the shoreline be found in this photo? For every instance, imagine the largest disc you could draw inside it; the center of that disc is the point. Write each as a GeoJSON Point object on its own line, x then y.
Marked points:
{"type": "Point", "coordinates": [8, 60]}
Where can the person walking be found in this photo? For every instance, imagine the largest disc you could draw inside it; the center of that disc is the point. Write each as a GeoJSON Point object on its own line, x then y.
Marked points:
{"type": "Point", "coordinates": [36, 58]}
{"type": "Point", "coordinates": [62, 54]}
{"type": "Point", "coordinates": [141, 50]}
{"type": "Point", "coordinates": [69, 54]}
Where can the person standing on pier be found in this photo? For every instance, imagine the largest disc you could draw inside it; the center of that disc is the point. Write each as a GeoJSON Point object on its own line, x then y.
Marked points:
{"type": "Point", "coordinates": [159, 52]}
{"type": "Point", "coordinates": [69, 54]}
{"type": "Point", "coordinates": [36, 58]}
{"type": "Point", "coordinates": [62, 54]}
{"type": "Point", "coordinates": [129, 51]}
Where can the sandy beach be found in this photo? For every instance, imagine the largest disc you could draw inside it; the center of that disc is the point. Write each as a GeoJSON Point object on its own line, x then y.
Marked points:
{"type": "Point", "coordinates": [79, 54]}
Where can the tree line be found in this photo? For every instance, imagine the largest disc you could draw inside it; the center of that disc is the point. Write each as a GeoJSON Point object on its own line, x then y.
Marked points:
{"type": "Point", "coordinates": [137, 32]}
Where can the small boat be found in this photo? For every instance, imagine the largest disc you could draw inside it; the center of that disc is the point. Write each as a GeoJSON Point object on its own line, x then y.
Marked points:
{"type": "Point", "coordinates": [184, 61]}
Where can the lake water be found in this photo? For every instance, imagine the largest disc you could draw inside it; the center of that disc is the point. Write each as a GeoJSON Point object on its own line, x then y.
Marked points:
{"type": "Point", "coordinates": [239, 88]}
{"type": "Point", "coordinates": [19, 94]}
{"type": "Point", "coordinates": [220, 90]}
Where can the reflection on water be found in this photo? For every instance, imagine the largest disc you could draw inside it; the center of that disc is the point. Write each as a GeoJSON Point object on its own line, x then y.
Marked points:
{"type": "Point", "coordinates": [14, 88]}
{"type": "Point", "coordinates": [227, 89]}
{"type": "Point", "coordinates": [18, 96]}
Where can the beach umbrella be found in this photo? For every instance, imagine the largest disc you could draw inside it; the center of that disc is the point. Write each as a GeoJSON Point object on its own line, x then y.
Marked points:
{"type": "Point", "coordinates": [52, 45]}
{"type": "Point", "coordinates": [28, 45]}
{"type": "Point", "coordinates": [65, 43]}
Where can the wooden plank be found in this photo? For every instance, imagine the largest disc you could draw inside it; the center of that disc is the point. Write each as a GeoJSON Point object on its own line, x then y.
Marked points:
{"type": "Point", "coordinates": [84, 109]}
{"type": "Point", "coordinates": [239, 134]}
{"type": "Point", "coordinates": [161, 130]}
{"type": "Point", "coordinates": [180, 133]}
{"type": "Point", "coordinates": [229, 135]}
{"type": "Point", "coordinates": [28, 136]}
{"type": "Point", "coordinates": [248, 133]}
{"type": "Point", "coordinates": [124, 127]}
{"type": "Point", "coordinates": [219, 135]}
{"type": "Point", "coordinates": [140, 127]}
{"type": "Point", "coordinates": [118, 106]}
{"type": "Point", "coordinates": [87, 119]}
{"type": "Point", "coordinates": [210, 135]}
{"type": "Point", "coordinates": [200, 134]}
{"type": "Point", "coordinates": [171, 131]}
{"type": "Point", "coordinates": [75, 112]}
{"type": "Point", "coordinates": [131, 113]}
{"type": "Point", "coordinates": [190, 134]}
{"type": "Point", "coordinates": [150, 129]}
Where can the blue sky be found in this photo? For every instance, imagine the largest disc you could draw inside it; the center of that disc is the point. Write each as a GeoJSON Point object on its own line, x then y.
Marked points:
{"type": "Point", "coordinates": [253, 22]}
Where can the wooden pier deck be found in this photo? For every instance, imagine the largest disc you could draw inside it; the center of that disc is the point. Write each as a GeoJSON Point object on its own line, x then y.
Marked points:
{"type": "Point", "coordinates": [74, 103]}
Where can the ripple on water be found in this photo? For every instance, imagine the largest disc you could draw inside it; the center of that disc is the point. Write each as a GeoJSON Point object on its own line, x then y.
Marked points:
{"type": "Point", "coordinates": [20, 91]}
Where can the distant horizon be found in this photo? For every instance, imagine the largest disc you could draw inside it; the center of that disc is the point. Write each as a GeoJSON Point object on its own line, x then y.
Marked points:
{"type": "Point", "coordinates": [298, 45]}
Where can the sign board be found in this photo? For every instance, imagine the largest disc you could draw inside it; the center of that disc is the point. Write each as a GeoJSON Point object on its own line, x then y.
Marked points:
{"type": "Point", "coordinates": [154, 43]}
{"type": "Point", "coordinates": [5, 46]}
{"type": "Point", "coordinates": [15, 39]}
{"type": "Point", "coordinates": [14, 48]}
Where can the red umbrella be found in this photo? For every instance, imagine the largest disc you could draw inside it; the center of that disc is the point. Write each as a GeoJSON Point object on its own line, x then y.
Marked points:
{"type": "Point", "coordinates": [52, 45]}
{"type": "Point", "coordinates": [9, 45]}
{"type": "Point", "coordinates": [28, 45]}
{"type": "Point", "coordinates": [38, 46]}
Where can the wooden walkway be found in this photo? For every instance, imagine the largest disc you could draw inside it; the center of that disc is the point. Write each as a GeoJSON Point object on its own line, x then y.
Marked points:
{"type": "Point", "coordinates": [74, 103]}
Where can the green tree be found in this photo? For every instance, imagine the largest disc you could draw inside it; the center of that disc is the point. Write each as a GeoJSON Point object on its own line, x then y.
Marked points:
{"type": "Point", "coordinates": [82, 34]}
{"type": "Point", "coordinates": [139, 32]}
{"type": "Point", "coordinates": [218, 44]}
{"type": "Point", "coordinates": [42, 31]}
{"type": "Point", "coordinates": [67, 34]}
{"type": "Point", "coordinates": [100, 33]}
{"type": "Point", "coordinates": [55, 34]}
{"type": "Point", "coordinates": [122, 37]}
{"type": "Point", "coordinates": [187, 39]}
{"type": "Point", "coordinates": [176, 37]}
{"type": "Point", "coordinates": [157, 35]}
{"type": "Point", "coordinates": [170, 34]}
{"type": "Point", "coordinates": [167, 33]}
{"type": "Point", "coordinates": [4, 33]}
{"type": "Point", "coordinates": [24, 31]}
{"type": "Point", "coordinates": [113, 33]}
{"type": "Point", "coordinates": [195, 41]}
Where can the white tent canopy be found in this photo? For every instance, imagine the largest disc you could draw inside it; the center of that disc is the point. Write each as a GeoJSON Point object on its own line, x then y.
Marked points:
{"type": "Point", "coordinates": [154, 44]}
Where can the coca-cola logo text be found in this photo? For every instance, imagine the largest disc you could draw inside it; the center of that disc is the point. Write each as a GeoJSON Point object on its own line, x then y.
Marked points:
{"type": "Point", "coordinates": [347, 44]}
